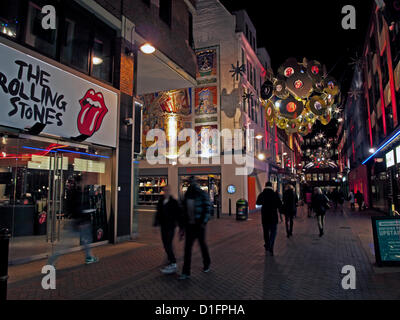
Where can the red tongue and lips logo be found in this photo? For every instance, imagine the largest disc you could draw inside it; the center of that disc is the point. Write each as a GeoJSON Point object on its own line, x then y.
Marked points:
{"type": "Point", "coordinates": [93, 111]}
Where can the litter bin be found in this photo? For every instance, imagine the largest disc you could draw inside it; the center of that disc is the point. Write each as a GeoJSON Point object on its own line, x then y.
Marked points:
{"type": "Point", "coordinates": [242, 210]}
{"type": "Point", "coordinates": [4, 244]}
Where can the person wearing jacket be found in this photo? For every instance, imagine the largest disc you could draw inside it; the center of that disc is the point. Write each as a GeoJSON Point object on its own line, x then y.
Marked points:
{"type": "Point", "coordinates": [289, 208]}
{"type": "Point", "coordinates": [168, 216]}
{"type": "Point", "coordinates": [320, 204]}
{"type": "Point", "coordinates": [196, 213]}
{"type": "Point", "coordinates": [271, 203]}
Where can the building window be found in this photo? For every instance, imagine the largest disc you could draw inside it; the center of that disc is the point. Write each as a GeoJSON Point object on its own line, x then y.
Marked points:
{"type": "Point", "coordinates": [45, 41]}
{"type": "Point", "coordinates": [146, 2]}
{"type": "Point", "coordinates": [75, 49]}
{"type": "Point", "coordinates": [166, 11]}
{"type": "Point", "coordinates": [191, 39]}
{"type": "Point", "coordinates": [9, 18]}
{"type": "Point", "coordinates": [102, 59]}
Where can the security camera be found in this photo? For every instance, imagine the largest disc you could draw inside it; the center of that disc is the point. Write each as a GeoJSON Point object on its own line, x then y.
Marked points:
{"type": "Point", "coordinates": [128, 121]}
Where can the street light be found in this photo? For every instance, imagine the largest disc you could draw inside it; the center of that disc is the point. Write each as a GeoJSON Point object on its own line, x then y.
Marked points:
{"type": "Point", "coordinates": [372, 150]}
{"type": "Point", "coordinates": [261, 157]}
{"type": "Point", "coordinates": [259, 137]}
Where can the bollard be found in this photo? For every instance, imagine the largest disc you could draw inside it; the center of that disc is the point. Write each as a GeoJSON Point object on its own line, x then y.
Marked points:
{"type": "Point", "coordinates": [4, 247]}
{"type": "Point", "coordinates": [230, 207]}
{"type": "Point", "coordinates": [218, 215]}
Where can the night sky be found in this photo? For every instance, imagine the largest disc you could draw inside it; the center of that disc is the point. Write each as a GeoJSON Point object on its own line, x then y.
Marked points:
{"type": "Point", "coordinates": [308, 28]}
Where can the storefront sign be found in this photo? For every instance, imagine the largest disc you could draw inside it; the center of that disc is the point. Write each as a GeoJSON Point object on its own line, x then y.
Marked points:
{"type": "Point", "coordinates": [390, 159]}
{"type": "Point", "coordinates": [398, 154]}
{"type": "Point", "coordinates": [32, 92]}
{"type": "Point", "coordinates": [387, 240]}
{"type": "Point", "coordinates": [199, 171]}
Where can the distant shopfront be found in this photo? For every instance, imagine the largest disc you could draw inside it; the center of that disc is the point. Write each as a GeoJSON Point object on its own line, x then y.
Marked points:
{"type": "Point", "coordinates": [58, 131]}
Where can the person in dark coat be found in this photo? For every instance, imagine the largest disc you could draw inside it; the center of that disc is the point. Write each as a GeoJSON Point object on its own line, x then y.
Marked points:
{"type": "Point", "coordinates": [289, 208]}
{"type": "Point", "coordinates": [168, 217]}
{"type": "Point", "coordinates": [360, 199]}
{"type": "Point", "coordinates": [271, 203]}
{"type": "Point", "coordinates": [196, 213]}
{"type": "Point", "coordinates": [320, 204]}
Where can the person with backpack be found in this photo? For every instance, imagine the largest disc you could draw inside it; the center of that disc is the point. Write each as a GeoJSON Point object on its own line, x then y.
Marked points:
{"type": "Point", "coordinates": [196, 213]}
{"type": "Point", "coordinates": [320, 204]}
{"type": "Point", "coordinates": [271, 203]}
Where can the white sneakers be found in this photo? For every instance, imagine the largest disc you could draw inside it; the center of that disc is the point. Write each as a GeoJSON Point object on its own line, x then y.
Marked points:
{"type": "Point", "coordinates": [170, 269]}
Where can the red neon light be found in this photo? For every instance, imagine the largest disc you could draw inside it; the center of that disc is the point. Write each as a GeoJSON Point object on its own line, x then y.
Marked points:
{"type": "Point", "coordinates": [382, 99]}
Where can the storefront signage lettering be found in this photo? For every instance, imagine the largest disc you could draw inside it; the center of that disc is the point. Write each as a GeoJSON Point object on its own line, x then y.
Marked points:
{"type": "Point", "coordinates": [32, 91]}
{"type": "Point", "coordinates": [31, 96]}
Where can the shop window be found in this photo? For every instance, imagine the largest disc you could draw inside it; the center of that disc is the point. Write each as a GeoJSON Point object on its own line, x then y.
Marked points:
{"type": "Point", "coordinates": [75, 50]}
{"type": "Point", "coordinates": [151, 190]}
{"type": "Point", "coordinates": [45, 41]}
{"type": "Point", "coordinates": [9, 18]}
{"type": "Point", "coordinates": [166, 11]}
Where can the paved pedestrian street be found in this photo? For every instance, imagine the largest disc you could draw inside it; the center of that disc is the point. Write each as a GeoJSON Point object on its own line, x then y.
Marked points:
{"type": "Point", "coordinates": [304, 267]}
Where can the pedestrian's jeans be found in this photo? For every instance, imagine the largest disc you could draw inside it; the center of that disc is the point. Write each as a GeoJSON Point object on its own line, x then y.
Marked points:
{"type": "Point", "coordinates": [193, 232]}
{"type": "Point", "coordinates": [167, 236]}
{"type": "Point", "coordinates": [289, 224]}
{"type": "Point", "coordinates": [270, 230]}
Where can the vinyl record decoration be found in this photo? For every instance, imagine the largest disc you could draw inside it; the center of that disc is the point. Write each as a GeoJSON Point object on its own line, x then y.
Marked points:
{"type": "Point", "coordinates": [301, 94]}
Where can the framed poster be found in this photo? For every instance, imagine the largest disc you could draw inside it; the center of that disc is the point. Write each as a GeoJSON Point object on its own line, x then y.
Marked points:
{"type": "Point", "coordinates": [209, 145]}
{"type": "Point", "coordinates": [207, 66]}
{"type": "Point", "coordinates": [386, 231]}
{"type": "Point", "coordinates": [206, 101]}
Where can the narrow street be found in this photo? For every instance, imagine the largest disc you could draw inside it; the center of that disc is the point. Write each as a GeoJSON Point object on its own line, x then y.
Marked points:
{"type": "Point", "coordinates": [304, 266]}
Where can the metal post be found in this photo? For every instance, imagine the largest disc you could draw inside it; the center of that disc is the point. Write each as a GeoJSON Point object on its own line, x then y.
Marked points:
{"type": "Point", "coordinates": [4, 248]}
{"type": "Point", "coordinates": [230, 207]}
{"type": "Point", "coordinates": [218, 204]}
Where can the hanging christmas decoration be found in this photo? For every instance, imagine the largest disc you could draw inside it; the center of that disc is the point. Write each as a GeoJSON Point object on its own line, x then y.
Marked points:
{"type": "Point", "coordinates": [299, 95]}
{"type": "Point", "coordinates": [238, 70]}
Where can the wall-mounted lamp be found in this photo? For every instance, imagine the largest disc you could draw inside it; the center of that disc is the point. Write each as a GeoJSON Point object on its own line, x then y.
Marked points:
{"type": "Point", "coordinates": [147, 48]}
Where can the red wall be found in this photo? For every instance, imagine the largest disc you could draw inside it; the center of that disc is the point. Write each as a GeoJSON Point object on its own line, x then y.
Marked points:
{"type": "Point", "coordinates": [251, 187]}
{"type": "Point", "coordinates": [358, 180]}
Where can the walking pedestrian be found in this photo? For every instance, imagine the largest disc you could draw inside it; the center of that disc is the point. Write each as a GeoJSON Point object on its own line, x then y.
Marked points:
{"type": "Point", "coordinates": [320, 204]}
{"type": "Point", "coordinates": [82, 215]}
{"type": "Point", "coordinates": [340, 200]}
{"type": "Point", "coordinates": [309, 203]}
{"type": "Point", "coordinates": [289, 208]}
{"type": "Point", "coordinates": [196, 214]}
{"type": "Point", "coordinates": [351, 200]}
{"type": "Point", "coordinates": [270, 202]}
{"type": "Point", "coordinates": [360, 199]}
{"type": "Point", "coordinates": [168, 217]}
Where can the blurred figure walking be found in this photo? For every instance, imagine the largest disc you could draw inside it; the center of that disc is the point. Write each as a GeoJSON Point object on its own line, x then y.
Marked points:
{"type": "Point", "coordinates": [352, 200]}
{"type": "Point", "coordinates": [320, 204]}
{"type": "Point", "coordinates": [360, 200]}
{"type": "Point", "coordinates": [309, 202]}
{"type": "Point", "coordinates": [270, 202]}
{"type": "Point", "coordinates": [168, 216]}
{"type": "Point", "coordinates": [289, 208]}
{"type": "Point", "coordinates": [196, 213]}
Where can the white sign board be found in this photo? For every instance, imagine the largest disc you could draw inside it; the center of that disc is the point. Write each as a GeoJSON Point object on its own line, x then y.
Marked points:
{"type": "Point", "coordinates": [390, 159]}
{"type": "Point", "coordinates": [32, 91]}
{"type": "Point", "coordinates": [398, 154]}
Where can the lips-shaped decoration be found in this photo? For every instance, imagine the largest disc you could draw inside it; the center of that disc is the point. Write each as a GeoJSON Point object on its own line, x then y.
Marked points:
{"type": "Point", "coordinates": [92, 113]}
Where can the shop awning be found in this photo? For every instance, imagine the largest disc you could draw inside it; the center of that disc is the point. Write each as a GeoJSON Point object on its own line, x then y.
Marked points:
{"type": "Point", "coordinates": [156, 72]}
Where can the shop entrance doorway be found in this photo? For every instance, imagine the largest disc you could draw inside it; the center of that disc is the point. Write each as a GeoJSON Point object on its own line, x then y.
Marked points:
{"type": "Point", "coordinates": [38, 180]}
